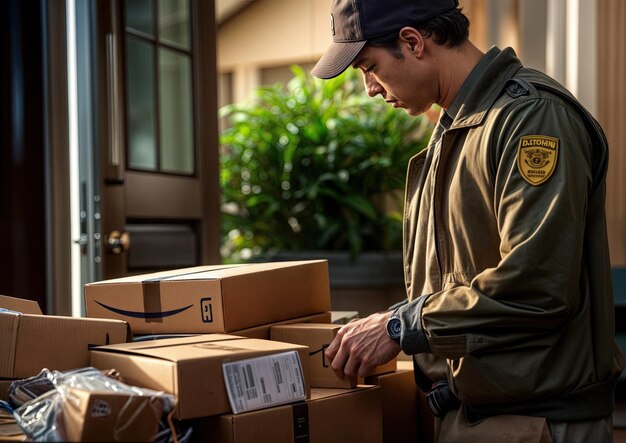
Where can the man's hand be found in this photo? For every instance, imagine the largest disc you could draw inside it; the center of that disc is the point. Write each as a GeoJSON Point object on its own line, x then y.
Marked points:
{"type": "Point", "coordinates": [361, 345]}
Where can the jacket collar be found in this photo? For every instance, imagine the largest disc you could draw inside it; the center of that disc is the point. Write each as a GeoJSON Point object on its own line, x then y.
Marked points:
{"type": "Point", "coordinates": [483, 86]}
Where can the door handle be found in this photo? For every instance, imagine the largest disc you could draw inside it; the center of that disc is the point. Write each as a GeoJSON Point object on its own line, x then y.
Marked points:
{"type": "Point", "coordinates": [118, 242]}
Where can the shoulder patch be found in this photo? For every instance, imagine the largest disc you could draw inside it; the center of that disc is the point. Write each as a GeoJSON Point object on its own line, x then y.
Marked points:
{"type": "Point", "coordinates": [536, 158]}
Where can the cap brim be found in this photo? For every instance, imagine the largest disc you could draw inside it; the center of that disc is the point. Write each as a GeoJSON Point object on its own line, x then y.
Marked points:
{"type": "Point", "coordinates": [336, 59]}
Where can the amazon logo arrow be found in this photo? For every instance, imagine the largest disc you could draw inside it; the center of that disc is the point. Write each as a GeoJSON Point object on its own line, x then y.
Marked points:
{"type": "Point", "coordinates": [137, 314]}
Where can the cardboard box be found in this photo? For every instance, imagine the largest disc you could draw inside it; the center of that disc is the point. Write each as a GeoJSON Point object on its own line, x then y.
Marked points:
{"type": "Point", "coordinates": [400, 402]}
{"type": "Point", "coordinates": [31, 342]}
{"type": "Point", "coordinates": [263, 331]}
{"type": "Point", "coordinates": [209, 299]}
{"type": "Point", "coordinates": [318, 336]}
{"type": "Point", "coordinates": [109, 416]}
{"type": "Point", "coordinates": [9, 430]}
{"type": "Point", "coordinates": [406, 417]}
{"type": "Point", "coordinates": [4, 389]}
{"type": "Point", "coordinates": [330, 416]}
{"type": "Point", "coordinates": [190, 367]}
{"type": "Point", "coordinates": [20, 305]}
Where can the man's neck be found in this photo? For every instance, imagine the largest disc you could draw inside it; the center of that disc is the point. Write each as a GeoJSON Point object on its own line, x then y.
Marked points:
{"type": "Point", "coordinates": [455, 65]}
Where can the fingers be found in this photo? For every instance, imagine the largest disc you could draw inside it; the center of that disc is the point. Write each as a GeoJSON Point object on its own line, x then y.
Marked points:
{"type": "Point", "coordinates": [351, 368]}
{"type": "Point", "coordinates": [332, 349]}
{"type": "Point", "coordinates": [344, 364]}
{"type": "Point", "coordinates": [340, 354]}
{"type": "Point", "coordinates": [338, 362]}
{"type": "Point", "coordinates": [335, 355]}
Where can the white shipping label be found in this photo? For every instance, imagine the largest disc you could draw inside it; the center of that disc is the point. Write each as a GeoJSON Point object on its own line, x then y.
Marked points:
{"type": "Point", "coordinates": [260, 382]}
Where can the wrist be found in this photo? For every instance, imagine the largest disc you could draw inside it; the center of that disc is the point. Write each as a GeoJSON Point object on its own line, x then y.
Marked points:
{"type": "Point", "coordinates": [394, 327]}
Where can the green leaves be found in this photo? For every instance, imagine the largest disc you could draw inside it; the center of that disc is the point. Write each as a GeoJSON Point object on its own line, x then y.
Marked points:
{"type": "Point", "coordinates": [303, 166]}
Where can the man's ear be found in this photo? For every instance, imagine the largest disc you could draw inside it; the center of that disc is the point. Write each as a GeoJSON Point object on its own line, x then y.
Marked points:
{"type": "Point", "coordinates": [412, 39]}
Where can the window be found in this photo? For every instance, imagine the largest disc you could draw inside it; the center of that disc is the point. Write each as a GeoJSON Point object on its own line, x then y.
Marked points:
{"type": "Point", "coordinates": [159, 86]}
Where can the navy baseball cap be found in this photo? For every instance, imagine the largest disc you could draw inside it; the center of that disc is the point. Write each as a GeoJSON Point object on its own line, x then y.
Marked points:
{"type": "Point", "coordinates": [353, 22]}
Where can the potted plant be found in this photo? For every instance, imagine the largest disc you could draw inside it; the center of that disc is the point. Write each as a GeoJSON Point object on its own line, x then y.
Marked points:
{"type": "Point", "coordinates": [316, 168]}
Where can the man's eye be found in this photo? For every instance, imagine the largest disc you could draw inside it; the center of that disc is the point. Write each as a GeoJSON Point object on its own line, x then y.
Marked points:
{"type": "Point", "coordinates": [370, 69]}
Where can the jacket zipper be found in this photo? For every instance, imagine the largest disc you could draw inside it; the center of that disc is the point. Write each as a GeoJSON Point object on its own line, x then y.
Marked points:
{"type": "Point", "coordinates": [435, 205]}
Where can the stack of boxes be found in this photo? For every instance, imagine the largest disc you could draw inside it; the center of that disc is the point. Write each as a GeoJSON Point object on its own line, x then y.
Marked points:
{"type": "Point", "coordinates": [240, 346]}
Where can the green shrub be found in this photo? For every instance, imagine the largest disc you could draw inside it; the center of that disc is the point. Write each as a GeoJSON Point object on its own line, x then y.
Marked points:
{"type": "Point", "coordinates": [306, 167]}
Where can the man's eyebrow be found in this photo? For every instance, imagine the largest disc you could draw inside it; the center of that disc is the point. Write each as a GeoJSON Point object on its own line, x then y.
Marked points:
{"type": "Point", "coordinates": [357, 62]}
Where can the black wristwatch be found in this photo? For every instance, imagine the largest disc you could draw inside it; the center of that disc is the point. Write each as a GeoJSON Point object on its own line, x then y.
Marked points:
{"type": "Point", "coordinates": [394, 327]}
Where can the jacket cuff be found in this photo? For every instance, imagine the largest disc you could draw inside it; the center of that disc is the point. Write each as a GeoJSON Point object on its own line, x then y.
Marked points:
{"type": "Point", "coordinates": [413, 338]}
{"type": "Point", "coordinates": [397, 305]}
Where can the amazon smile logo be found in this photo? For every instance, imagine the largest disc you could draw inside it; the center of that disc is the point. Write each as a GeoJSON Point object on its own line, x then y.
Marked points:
{"type": "Point", "coordinates": [147, 315]}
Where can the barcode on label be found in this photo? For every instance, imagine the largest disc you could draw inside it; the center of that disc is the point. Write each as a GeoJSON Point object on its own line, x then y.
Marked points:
{"type": "Point", "coordinates": [278, 375]}
{"type": "Point", "coordinates": [249, 379]}
{"type": "Point", "coordinates": [264, 381]}
{"type": "Point", "coordinates": [267, 398]}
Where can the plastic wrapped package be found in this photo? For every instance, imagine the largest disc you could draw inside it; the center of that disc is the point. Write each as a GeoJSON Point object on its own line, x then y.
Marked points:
{"type": "Point", "coordinates": [87, 405]}
{"type": "Point", "coordinates": [22, 391]}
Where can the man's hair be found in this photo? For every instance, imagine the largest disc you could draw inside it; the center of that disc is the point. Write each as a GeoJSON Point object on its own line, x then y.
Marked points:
{"type": "Point", "coordinates": [450, 28]}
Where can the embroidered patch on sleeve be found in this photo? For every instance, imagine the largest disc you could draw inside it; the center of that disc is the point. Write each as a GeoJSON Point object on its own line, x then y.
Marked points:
{"type": "Point", "coordinates": [536, 158]}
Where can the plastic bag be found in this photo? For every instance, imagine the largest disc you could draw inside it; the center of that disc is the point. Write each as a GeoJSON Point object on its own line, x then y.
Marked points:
{"type": "Point", "coordinates": [85, 404]}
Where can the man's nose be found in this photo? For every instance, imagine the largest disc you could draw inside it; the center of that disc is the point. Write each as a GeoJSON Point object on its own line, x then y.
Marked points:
{"type": "Point", "coordinates": [372, 86]}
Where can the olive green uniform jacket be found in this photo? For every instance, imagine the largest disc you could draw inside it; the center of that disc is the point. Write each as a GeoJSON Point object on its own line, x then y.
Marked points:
{"type": "Point", "coordinates": [505, 250]}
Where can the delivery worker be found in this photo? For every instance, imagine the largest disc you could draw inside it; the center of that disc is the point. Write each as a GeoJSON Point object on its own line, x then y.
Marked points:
{"type": "Point", "coordinates": [509, 316]}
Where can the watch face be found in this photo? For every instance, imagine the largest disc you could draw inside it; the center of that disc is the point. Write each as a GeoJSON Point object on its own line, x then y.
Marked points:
{"type": "Point", "coordinates": [394, 328]}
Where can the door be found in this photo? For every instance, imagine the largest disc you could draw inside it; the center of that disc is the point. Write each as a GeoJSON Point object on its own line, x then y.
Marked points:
{"type": "Point", "coordinates": [158, 201]}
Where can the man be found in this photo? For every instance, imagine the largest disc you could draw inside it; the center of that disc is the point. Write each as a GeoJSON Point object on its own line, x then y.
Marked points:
{"type": "Point", "coordinates": [509, 316]}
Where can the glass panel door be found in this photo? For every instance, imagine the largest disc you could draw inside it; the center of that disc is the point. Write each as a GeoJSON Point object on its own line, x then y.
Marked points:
{"type": "Point", "coordinates": [160, 201]}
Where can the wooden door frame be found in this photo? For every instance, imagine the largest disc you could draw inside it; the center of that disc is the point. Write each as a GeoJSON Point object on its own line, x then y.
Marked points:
{"type": "Point", "coordinates": [206, 126]}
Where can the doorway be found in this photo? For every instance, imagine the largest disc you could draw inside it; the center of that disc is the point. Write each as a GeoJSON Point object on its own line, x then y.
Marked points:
{"type": "Point", "coordinates": [144, 137]}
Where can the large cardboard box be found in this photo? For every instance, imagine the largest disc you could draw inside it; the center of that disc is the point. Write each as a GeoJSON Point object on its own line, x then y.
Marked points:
{"type": "Point", "coordinates": [190, 367]}
{"type": "Point", "coordinates": [210, 299]}
{"type": "Point", "coordinates": [31, 342]}
{"type": "Point", "coordinates": [329, 416]}
{"type": "Point", "coordinates": [406, 416]}
{"type": "Point", "coordinates": [318, 336]}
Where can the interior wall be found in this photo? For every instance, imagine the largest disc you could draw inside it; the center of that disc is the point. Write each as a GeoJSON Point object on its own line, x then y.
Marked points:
{"type": "Point", "coordinates": [22, 157]}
